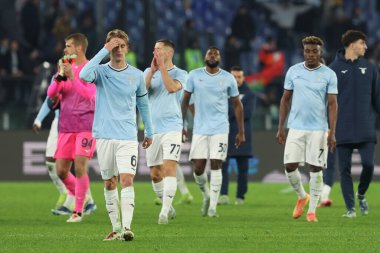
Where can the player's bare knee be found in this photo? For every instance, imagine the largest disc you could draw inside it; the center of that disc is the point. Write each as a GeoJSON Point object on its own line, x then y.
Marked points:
{"type": "Point", "coordinates": [126, 180]}
{"type": "Point", "coordinates": [216, 164]}
{"type": "Point", "coordinates": [290, 167]}
{"type": "Point", "coordinates": [315, 168]}
{"type": "Point", "coordinates": [156, 174]}
{"type": "Point", "coordinates": [199, 166]}
{"type": "Point", "coordinates": [110, 184]}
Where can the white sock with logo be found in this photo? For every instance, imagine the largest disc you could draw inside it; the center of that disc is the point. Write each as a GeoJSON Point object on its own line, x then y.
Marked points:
{"type": "Point", "coordinates": [170, 187]}
{"type": "Point", "coordinates": [294, 179]}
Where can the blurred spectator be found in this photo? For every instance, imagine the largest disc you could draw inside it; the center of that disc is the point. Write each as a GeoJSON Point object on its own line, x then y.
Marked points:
{"type": "Point", "coordinates": [14, 60]}
{"type": "Point", "coordinates": [268, 82]}
{"type": "Point", "coordinates": [272, 62]}
{"type": "Point", "coordinates": [87, 27]}
{"type": "Point", "coordinates": [30, 23]}
{"type": "Point", "coordinates": [4, 50]}
{"type": "Point", "coordinates": [338, 23]}
{"type": "Point", "coordinates": [193, 57]}
{"type": "Point", "coordinates": [188, 36]}
{"type": "Point", "coordinates": [9, 24]}
{"type": "Point", "coordinates": [284, 15]}
{"type": "Point", "coordinates": [231, 52]}
{"type": "Point", "coordinates": [358, 20]}
{"type": "Point", "coordinates": [243, 28]}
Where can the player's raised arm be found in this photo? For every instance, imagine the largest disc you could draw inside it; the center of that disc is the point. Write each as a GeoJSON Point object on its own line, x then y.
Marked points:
{"type": "Point", "coordinates": [88, 73]}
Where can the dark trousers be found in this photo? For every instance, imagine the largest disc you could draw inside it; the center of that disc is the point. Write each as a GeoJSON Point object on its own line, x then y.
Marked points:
{"type": "Point", "coordinates": [367, 153]}
{"type": "Point", "coordinates": [242, 177]}
{"type": "Point", "coordinates": [329, 172]}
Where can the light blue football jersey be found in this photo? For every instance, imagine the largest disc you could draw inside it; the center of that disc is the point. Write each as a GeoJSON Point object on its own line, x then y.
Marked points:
{"type": "Point", "coordinates": [309, 101]}
{"type": "Point", "coordinates": [165, 107]}
{"type": "Point", "coordinates": [116, 93]}
{"type": "Point", "coordinates": [211, 93]}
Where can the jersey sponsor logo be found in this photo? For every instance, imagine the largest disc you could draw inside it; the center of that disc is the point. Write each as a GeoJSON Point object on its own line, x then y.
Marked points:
{"type": "Point", "coordinates": [363, 70]}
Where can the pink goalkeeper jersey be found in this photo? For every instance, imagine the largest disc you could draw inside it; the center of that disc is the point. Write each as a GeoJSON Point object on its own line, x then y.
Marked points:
{"type": "Point", "coordinates": [77, 99]}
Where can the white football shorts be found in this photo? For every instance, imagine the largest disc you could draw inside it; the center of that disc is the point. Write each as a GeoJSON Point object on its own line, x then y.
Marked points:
{"type": "Point", "coordinates": [117, 157]}
{"type": "Point", "coordinates": [306, 146]}
{"type": "Point", "coordinates": [209, 147]}
{"type": "Point", "coordinates": [165, 146]}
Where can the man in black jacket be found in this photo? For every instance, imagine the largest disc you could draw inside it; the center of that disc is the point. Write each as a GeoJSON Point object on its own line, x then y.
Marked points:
{"type": "Point", "coordinates": [244, 152]}
{"type": "Point", "coordinates": [359, 100]}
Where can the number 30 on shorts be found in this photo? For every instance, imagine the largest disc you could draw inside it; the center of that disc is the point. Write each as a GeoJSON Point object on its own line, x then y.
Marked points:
{"type": "Point", "coordinates": [222, 147]}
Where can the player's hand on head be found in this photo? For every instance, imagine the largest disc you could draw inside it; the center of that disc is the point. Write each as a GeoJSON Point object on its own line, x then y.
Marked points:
{"type": "Point", "coordinates": [111, 44]}
{"type": "Point", "coordinates": [146, 143]}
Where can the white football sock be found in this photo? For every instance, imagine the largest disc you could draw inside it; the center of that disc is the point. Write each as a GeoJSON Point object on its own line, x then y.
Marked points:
{"type": "Point", "coordinates": [54, 177]}
{"type": "Point", "coordinates": [127, 206]}
{"type": "Point", "coordinates": [316, 185]}
{"type": "Point", "coordinates": [215, 184]}
{"type": "Point", "coordinates": [170, 187]}
{"type": "Point", "coordinates": [181, 181]}
{"type": "Point", "coordinates": [112, 205]}
{"type": "Point", "coordinates": [158, 188]}
{"type": "Point", "coordinates": [294, 179]}
{"type": "Point", "coordinates": [325, 192]}
{"type": "Point", "coordinates": [201, 180]}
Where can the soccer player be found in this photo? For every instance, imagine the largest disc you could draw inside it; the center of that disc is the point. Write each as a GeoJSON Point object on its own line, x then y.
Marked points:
{"type": "Point", "coordinates": [164, 83]}
{"type": "Point", "coordinates": [120, 87]}
{"type": "Point", "coordinates": [310, 90]}
{"type": "Point", "coordinates": [359, 96]}
{"type": "Point", "coordinates": [77, 104]}
{"type": "Point", "coordinates": [65, 203]}
{"type": "Point", "coordinates": [242, 154]}
{"type": "Point", "coordinates": [211, 87]}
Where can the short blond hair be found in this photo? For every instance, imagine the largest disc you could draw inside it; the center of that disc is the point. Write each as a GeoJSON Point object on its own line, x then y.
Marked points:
{"type": "Point", "coordinates": [117, 33]}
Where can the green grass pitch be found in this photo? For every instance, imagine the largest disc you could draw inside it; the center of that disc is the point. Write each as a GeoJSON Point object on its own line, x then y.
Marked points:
{"type": "Point", "coordinates": [263, 224]}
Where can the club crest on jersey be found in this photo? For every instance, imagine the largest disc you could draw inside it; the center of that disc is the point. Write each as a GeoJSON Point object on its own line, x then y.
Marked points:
{"type": "Point", "coordinates": [363, 70]}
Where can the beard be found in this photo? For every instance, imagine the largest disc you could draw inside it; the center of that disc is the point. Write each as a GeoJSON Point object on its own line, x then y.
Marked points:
{"type": "Point", "coordinates": [212, 65]}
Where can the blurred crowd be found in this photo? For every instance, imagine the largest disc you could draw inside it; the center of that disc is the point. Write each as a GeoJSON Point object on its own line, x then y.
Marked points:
{"type": "Point", "coordinates": [261, 36]}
